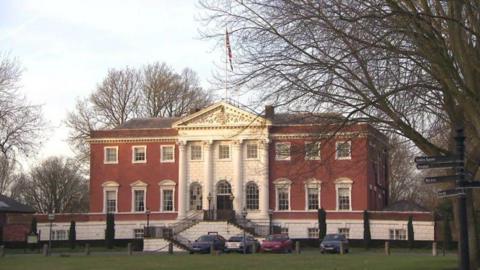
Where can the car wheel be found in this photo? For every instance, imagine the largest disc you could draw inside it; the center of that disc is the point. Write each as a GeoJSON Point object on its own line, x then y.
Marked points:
{"type": "Point", "coordinates": [346, 250]}
{"type": "Point", "coordinates": [191, 252]}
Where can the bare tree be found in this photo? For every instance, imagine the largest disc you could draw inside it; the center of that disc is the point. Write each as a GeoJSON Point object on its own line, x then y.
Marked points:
{"type": "Point", "coordinates": [154, 91]}
{"type": "Point", "coordinates": [168, 94]}
{"type": "Point", "coordinates": [20, 122]}
{"type": "Point", "coordinates": [117, 98]}
{"type": "Point", "coordinates": [404, 65]}
{"type": "Point", "coordinates": [7, 170]}
{"type": "Point", "coordinates": [55, 184]}
{"type": "Point", "coordinates": [404, 180]}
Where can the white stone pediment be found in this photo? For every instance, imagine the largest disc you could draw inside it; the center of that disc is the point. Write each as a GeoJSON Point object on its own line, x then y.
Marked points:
{"type": "Point", "coordinates": [221, 114]}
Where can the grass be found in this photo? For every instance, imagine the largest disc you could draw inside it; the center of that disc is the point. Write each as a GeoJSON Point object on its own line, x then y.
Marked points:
{"type": "Point", "coordinates": [311, 259]}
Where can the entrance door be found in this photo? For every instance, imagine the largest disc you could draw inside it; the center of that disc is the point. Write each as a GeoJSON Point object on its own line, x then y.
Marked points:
{"type": "Point", "coordinates": [224, 202]}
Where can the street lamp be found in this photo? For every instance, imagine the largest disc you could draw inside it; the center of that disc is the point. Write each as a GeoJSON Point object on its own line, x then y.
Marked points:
{"type": "Point", "coordinates": [244, 215]}
{"type": "Point", "coordinates": [148, 222]}
{"type": "Point", "coordinates": [270, 216]}
{"type": "Point", "coordinates": [51, 218]}
{"type": "Point", "coordinates": [231, 197]}
{"type": "Point", "coordinates": [210, 198]}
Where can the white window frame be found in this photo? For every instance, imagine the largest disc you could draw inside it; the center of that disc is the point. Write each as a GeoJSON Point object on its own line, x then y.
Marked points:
{"type": "Point", "coordinates": [343, 183]}
{"type": "Point", "coordinates": [316, 233]}
{"type": "Point", "coordinates": [337, 143]}
{"type": "Point", "coordinates": [167, 185]}
{"type": "Point", "coordinates": [347, 235]}
{"type": "Point", "coordinates": [394, 231]}
{"type": "Point", "coordinates": [133, 154]}
{"type": "Point", "coordinates": [190, 152]}
{"type": "Point", "coordinates": [318, 156]}
{"type": "Point", "coordinates": [162, 160]}
{"type": "Point", "coordinates": [139, 186]}
{"type": "Point", "coordinates": [246, 151]}
{"type": "Point", "coordinates": [283, 183]}
{"type": "Point", "coordinates": [110, 186]}
{"type": "Point", "coordinates": [105, 161]}
{"type": "Point", "coordinates": [313, 183]}
{"type": "Point", "coordinates": [55, 235]}
{"type": "Point", "coordinates": [279, 157]}
{"type": "Point", "coordinates": [258, 196]}
{"type": "Point", "coordinates": [136, 232]}
{"type": "Point", "coordinates": [229, 152]}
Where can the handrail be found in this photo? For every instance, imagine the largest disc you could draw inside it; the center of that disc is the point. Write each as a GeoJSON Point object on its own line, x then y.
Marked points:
{"type": "Point", "coordinates": [171, 229]}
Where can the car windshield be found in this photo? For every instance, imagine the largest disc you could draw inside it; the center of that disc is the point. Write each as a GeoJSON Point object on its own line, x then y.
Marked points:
{"type": "Point", "coordinates": [333, 237]}
{"type": "Point", "coordinates": [235, 239]}
{"type": "Point", "coordinates": [206, 238]}
{"type": "Point", "coordinates": [276, 237]}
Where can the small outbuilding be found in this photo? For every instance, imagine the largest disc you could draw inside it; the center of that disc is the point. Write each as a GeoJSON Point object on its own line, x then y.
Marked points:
{"type": "Point", "coordinates": [15, 220]}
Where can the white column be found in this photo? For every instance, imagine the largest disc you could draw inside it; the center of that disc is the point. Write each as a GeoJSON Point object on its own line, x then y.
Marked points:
{"type": "Point", "coordinates": [237, 163]}
{"type": "Point", "coordinates": [208, 173]}
{"type": "Point", "coordinates": [264, 186]}
{"type": "Point", "coordinates": [182, 180]}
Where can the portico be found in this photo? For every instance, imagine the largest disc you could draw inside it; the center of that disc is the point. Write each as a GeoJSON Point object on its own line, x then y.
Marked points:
{"type": "Point", "coordinates": [221, 149]}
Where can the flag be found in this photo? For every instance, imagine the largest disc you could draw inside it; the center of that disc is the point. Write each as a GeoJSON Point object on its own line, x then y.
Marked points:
{"type": "Point", "coordinates": [228, 48]}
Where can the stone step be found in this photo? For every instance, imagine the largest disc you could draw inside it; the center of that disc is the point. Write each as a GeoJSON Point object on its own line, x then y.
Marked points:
{"type": "Point", "coordinates": [159, 245]}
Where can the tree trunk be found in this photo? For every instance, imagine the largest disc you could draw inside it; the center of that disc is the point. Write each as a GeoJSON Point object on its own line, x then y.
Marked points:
{"type": "Point", "coordinates": [472, 232]}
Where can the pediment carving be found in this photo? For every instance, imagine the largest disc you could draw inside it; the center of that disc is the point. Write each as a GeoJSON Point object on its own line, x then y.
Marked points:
{"type": "Point", "coordinates": [221, 114]}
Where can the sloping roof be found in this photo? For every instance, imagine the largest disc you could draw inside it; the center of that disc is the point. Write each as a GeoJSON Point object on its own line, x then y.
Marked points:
{"type": "Point", "coordinates": [306, 118]}
{"type": "Point", "coordinates": [148, 123]}
{"type": "Point", "coordinates": [9, 205]}
{"type": "Point", "coordinates": [405, 206]}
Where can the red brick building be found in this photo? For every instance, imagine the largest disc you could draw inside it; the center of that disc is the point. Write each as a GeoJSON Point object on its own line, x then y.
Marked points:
{"type": "Point", "coordinates": [275, 168]}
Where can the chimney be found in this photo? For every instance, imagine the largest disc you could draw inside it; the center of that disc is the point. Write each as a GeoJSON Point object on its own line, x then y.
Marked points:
{"type": "Point", "coordinates": [194, 110]}
{"type": "Point", "coordinates": [269, 111]}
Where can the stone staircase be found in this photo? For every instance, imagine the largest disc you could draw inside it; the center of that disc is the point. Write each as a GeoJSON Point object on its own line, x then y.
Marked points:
{"type": "Point", "coordinates": [183, 239]}
{"type": "Point", "coordinates": [223, 228]}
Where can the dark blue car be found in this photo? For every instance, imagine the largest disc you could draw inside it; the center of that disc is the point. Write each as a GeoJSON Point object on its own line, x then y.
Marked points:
{"type": "Point", "coordinates": [203, 243]}
{"type": "Point", "coordinates": [331, 243]}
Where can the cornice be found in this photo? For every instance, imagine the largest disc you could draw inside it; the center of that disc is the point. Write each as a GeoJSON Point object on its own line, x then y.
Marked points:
{"type": "Point", "coordinates": [132, 139]}
{"type": "Point", "coordinates": [352, 134]}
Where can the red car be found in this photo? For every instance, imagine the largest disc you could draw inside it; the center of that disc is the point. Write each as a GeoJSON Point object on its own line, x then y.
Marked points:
{"type": "Point", "coordinates": [277, 243]}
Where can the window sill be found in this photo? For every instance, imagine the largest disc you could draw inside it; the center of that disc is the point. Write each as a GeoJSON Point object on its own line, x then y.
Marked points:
{"type": "Point", "coordinates": [167, 161]}
{"type": "Point", "coordinates": [139, 162]}
{"type": "Point", "coordinates": [110, 163]}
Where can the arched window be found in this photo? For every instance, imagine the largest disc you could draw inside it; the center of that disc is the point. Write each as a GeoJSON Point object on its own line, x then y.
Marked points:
{"type": "Point", "coordinates": [195, 196]}
{"type": "Point", "coordinates": [251, 196]}
{"type": "Point", "coordinates": [224, 188]}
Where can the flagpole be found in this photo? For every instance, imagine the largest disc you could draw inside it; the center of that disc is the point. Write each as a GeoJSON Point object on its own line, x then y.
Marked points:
{"type": "Point", "coordinates": [226, 63]}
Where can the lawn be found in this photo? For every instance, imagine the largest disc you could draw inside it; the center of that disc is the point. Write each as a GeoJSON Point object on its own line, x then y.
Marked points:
{"type": "Point", "coordinates": [307, 260]}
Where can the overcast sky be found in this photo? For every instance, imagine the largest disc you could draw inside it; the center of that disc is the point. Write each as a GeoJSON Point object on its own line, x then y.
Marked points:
{"type": "Point", "coordinates": [66, 48]}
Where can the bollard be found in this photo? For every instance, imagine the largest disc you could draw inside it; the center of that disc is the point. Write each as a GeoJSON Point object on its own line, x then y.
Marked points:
{"type": "Point", "coordinates": [212, 249]}
{"type": "Point", "coordinates": [129, 249]}
{"type": "Point", "coordinates": [297, 247]}
{"type": "Point", "coordinates": [170, 248]}
{"type": "Point", "coordinates": [387, 248]}
{"type": "Point", "coordinates": [45, 250]}
{"type": "Point", "coordinates": [434, 249]}
{"type": "Point", "coordinates": [2, 251]}
{"type": "Point", "coordinates": [342, 250]}
{"type": "Point", "coordinates": [87, 249]}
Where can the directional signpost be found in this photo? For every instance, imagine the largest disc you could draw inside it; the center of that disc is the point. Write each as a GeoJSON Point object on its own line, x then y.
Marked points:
{"type": "Point", "coordinates": [451, 193]}
{"type": "Point", "coordinates": [462, 180]}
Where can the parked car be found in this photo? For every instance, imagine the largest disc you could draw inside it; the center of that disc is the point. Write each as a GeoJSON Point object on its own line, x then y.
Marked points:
{"type": "Point", "coordinates": [235, 243]}
{"type": "Point", "coordinates": [203, 243]}
{"type": "Point", "coordinates": [331, 243]}
{"type": "Point", "coordinates": [277, 243]}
